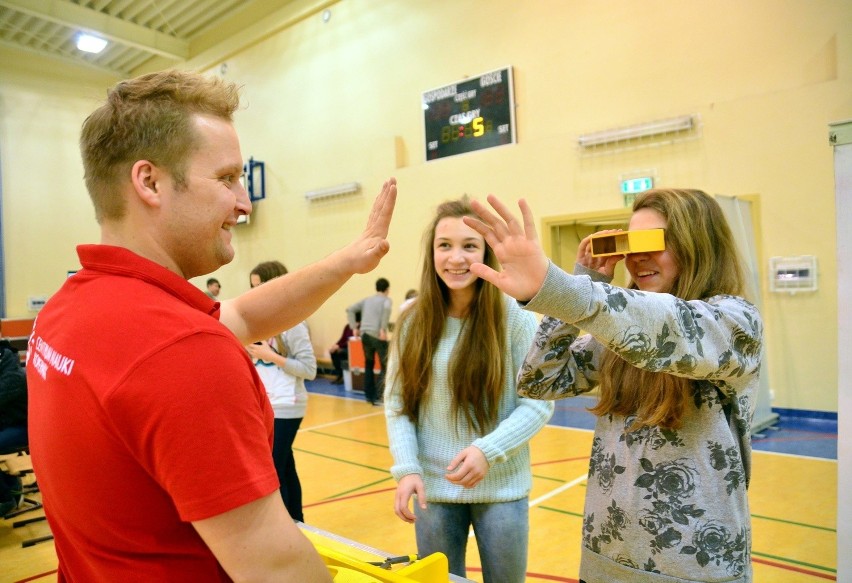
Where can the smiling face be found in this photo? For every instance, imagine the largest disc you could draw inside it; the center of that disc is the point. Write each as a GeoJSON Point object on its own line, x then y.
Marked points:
{"type": "Point", "coordinates": [656, 271]}
{"type": "Point", "coordinates": [455, 247]}
{"type": "Point", "coordinates": [198, 218]}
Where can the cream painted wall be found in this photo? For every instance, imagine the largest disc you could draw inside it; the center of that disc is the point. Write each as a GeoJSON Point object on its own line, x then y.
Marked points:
{"type": "Point", "coordinates": [46, 210]}
{"type": "Point", "coordinates": [329, 102]}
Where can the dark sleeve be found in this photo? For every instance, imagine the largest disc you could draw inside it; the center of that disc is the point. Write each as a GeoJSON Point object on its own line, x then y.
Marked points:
{"type": "Point", "coordinates": [13, 381]}
{"type": "Point", "coordinates": [343, 342]}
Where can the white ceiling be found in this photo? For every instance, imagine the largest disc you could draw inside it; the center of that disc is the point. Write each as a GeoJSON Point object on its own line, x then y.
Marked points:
{"type": "Point", "coordinates": [137, 30]}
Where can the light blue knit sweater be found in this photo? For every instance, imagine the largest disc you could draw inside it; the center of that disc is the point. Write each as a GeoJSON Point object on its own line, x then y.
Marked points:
{"type": "Point", "coordinates": [427, 447]}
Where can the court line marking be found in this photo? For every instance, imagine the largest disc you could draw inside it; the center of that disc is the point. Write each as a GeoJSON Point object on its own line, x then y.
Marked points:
{"type": "Point", "coordinates": [795, 455]}
{"type": "Point", "coordinates": [340, 460]}
{"type": "Point", "coordinates": [579, 479]}
{"type": "Point", "coordinates": [569, 428]}
{"type": "Point", "coordinates": [559, 490]}
{"type": "Point", "coordinates": [793, 523]}
{"type": "Point", "coordinates": [542, 576]}
{"type": "Point", "coordinates": [39, 576]}
{"type": "Point", "coordinates": [551, 494]}
{"type": "Point", "coordinates": [348, 495]}
{"type": "Point", "coordinates": [797, 434]}
{"type": "Point", "coordinates": [340, 421]}
{"type": "Point", "coordinates": [793, 568]}
{"type": "Point", "coordinates": [350, 439]}
{"type": "Point", "coordinates": [562, 460]}
{"type": "Point", "coordinates": [790, 561]}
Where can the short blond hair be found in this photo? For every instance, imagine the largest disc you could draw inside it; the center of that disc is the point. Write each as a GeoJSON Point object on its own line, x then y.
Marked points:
{"type": "Point", "coordinates": [148, 118]}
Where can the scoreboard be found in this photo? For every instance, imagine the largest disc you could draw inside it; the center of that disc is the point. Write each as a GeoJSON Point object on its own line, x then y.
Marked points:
{"type": "Point", "coordinates": [472, 114]}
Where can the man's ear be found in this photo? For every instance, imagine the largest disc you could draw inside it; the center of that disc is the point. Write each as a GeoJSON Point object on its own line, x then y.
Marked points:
{"type": "Point", "coordinates": [148, 181]}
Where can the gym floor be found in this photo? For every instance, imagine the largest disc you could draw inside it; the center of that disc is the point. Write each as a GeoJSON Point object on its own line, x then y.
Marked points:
{"type": "Point", "coordinates": [343, 460]}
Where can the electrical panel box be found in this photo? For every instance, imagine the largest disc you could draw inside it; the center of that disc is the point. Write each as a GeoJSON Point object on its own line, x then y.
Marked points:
{"type": "Point", "coordinates": [793, 274]}
{"type": "Point", "coordinates": [640, 241]}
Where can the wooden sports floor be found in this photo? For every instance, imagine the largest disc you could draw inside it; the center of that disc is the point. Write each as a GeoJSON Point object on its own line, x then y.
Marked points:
{"type": "Point", "coordinates": [343, 460]}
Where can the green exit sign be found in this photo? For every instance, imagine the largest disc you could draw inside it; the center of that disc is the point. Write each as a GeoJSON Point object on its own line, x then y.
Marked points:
{"type": "Point", "coordinates": [637, 185]}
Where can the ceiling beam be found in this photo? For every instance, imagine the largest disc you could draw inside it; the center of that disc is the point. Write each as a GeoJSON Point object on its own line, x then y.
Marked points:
{"type": "Point", "coordinates": [67, 60]}
{"type": "Point", "coordinates": [112, 28]}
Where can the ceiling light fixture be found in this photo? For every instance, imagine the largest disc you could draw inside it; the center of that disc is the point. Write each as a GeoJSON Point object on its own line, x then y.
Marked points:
{"type": "Point", "coordinates": [642, 130]}
{"type": "Point", "coordinates": [91, 44]}
{"type": "Point", "coordinates": [333, 191]}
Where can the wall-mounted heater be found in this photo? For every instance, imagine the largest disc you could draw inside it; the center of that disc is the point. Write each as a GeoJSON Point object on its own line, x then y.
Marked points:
{"type": "Point", "coordinates": [642, 130]}
{"type": "Point", "coordinates": [333, 191]}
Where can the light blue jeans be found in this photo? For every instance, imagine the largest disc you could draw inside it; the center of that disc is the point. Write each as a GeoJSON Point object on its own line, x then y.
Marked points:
{"type": "Point", "coordinates": [502, 535]}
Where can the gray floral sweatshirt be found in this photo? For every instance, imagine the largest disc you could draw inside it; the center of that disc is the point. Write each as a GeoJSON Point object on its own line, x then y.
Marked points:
{"type": "Point", "coordinates": [662, 505]}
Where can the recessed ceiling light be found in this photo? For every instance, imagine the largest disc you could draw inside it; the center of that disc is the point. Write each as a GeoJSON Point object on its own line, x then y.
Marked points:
{"type": "Point", "coordinates": [90, 44]}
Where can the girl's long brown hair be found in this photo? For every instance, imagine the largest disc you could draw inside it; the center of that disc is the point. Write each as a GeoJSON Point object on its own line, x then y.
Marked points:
{"type": "Point", "coordinates": [477, 369]}
{"type": "Point", "coordinates": [266, 271]}
{"type": "Point", "coordinates": [700, 239]}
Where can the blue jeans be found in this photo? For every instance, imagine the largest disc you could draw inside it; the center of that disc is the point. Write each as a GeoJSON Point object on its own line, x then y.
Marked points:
{"type": "Point", "coordinates": [502, 535]}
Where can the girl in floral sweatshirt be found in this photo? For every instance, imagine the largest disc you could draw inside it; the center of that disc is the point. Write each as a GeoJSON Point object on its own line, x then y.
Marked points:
{"type": "Point", "coordinates": [675, 357]}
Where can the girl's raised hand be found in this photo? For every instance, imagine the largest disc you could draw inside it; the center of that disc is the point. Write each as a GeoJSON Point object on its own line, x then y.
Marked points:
{"type": "Point", "coordinates": [515, 245]}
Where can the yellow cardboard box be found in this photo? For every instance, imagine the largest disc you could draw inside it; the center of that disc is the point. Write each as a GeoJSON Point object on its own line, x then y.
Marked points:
{"type": "Point", "coordinates": [623, 242]}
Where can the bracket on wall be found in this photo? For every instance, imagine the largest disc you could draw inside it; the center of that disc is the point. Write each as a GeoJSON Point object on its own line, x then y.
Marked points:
{"type": "Point", "coordinates": [254, 172]}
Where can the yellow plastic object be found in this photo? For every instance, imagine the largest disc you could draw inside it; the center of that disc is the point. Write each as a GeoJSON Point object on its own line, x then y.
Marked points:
{"type": "Point", "coordinates": [348, 564]}
{"type": "Point", "coordinates": [344, 575]}
{"type": "Point", "coordinates": [623, 242]}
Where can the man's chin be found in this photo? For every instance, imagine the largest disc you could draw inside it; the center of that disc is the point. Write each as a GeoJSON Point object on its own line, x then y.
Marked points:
{"type": "Point", "coordinates": [227, 257]}
{"type": "Point", "coordinates": [223, 257]}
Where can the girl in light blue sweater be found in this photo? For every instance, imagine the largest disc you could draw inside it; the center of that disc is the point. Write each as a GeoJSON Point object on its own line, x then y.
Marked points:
{"type": "Point", "coordinates": [457, 428]}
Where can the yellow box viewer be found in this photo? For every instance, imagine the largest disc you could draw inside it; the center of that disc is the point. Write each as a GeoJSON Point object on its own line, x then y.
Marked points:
{"type": "Point", "coordinates": [623, 242]}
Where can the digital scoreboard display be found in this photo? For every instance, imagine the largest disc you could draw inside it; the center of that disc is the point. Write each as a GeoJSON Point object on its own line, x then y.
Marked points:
{"type": "Point", "coordinates": [472, 114]}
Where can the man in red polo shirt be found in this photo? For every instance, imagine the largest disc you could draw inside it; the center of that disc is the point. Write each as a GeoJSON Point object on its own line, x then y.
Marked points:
{"type": "Point", "coordinates": [150, 431]}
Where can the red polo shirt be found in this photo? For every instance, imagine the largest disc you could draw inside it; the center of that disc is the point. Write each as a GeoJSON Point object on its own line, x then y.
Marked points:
{"type": "Point", "coordinates": [145, 414]}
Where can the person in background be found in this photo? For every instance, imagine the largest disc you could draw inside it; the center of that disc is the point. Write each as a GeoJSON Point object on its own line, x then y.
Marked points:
{"type": "Point", "coordinates": [13, 421]}
{"type": "Point", "coordinates": [155, 464]}
{"type": "Point", "coordinates": [283, 363]}
{"type": "Point", "coordinates": [458, 431]}
{"type": "Point", "coordinates": [410, 296]}
{"type": "Point", "coordinates": [13, 400]}
{"type": "Point", "coordinates": [676, 357]}
{"type": "Point", "coordinates": [373, 330]}
{"type": "Point", "coordinates": [213, 288]}
{"type": "Point", "coordinates": [339, 352]}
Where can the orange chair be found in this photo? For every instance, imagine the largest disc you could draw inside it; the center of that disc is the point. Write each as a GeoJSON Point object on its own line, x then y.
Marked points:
{"type": "Point", "coordinates": [353, 373]}
{"type": "Point", "coordinates": [356, 356]}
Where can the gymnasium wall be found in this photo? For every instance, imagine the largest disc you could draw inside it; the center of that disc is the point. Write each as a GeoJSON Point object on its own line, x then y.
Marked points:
{"type": "Point", "coordinates": [339, 101]}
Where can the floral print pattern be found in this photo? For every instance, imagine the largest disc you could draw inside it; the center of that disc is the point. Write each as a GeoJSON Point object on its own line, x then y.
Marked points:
{"type": "Point", "coordinates": [660, 501]}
